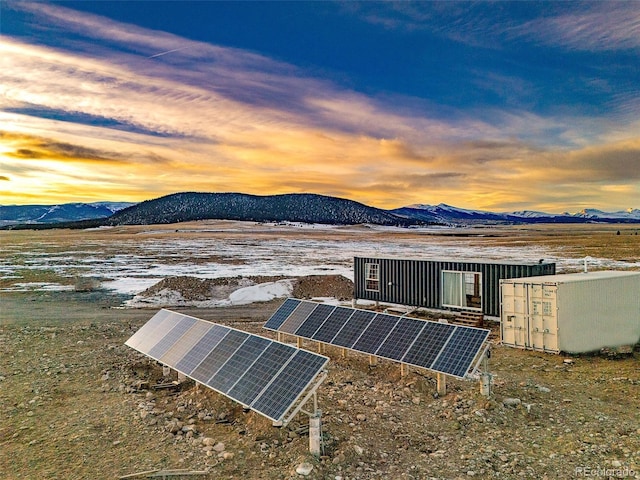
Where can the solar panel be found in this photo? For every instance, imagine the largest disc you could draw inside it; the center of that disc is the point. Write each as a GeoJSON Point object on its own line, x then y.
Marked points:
{"type": "Point", "coordinates": [147, 328]}
{"type": "Point", "coordinates": [249, 369]}
{"type": "Point", "coordinates": [261, 372]}
{"type": "Point", "coordinates": [282, 314]}
{"type": "Point", "coordinates": [155, 332]}
{"type": "Point", "coordinates": [298, 316]}
{"type": "Point", "coordinates": [400, 339]}
{"type": "Point", "coordinates": [375, 333]}
{"type": "Point", "coordinates": [218, 356]}
{"type": "Point", "coordinates": [459, 352]}
{"type": "Point", "coordinates": [287, 386]}
{"type": "Point", "coordinates": [166, 342]}
{"type": "Point", "coordinates": [352, 330]}
{"type": "Point", "coordinates": [238, 363]}
{"type": "Point", "coordinates": [186, 343]}
{"type": "Point", "coordinates": [314, 321]}
{"type": "Point", "coordinates": [442, 347]}
{"type": "Point", "coordinates": [333, 324]}
{"type": "Point", "coordinates": [201, 349]}
{"type": "Point", "coordinates": [428, 344]}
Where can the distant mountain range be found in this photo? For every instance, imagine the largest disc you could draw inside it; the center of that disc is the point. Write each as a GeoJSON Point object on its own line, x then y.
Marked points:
{"type": "Point", "coordinates": [306, 208]}
{"type": "Point", "coordinates": [447, 214]}
{"type": "Point", "coordinates": [67, 212]}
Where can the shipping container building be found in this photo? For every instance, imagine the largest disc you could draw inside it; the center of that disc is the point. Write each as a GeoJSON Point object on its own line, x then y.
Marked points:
{"type": "Point", "coordinates": [571, 313]}
{"type": "Point", "coordinates": [440, 284]}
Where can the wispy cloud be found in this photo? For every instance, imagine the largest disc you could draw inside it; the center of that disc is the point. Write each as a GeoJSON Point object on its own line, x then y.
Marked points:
{"type": "Point", "coordinates": [133, 114]}
{"type": "Point", "coordinates": [593, 26]}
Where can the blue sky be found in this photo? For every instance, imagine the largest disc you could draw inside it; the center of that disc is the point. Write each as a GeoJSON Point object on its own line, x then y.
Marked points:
{"type": "Point", "coordinates": [490, 105]}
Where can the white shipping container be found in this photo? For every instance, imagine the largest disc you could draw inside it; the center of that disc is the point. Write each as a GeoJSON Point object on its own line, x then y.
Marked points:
{"type": "Point", "coordinates": [571, 313]}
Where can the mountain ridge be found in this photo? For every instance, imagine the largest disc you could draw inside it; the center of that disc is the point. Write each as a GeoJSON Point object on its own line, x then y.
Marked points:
{"type": "Point", "coordinates": [294, 207]}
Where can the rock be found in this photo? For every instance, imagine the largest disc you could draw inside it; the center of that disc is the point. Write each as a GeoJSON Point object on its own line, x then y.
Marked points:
{"type": "Point", "coordinates": [511, 402]}
{"type": "Point", "coordinates": [228, 455]}
{"type": "Point", "coordinates": [616, 463]}
{"type": "Point", "coordinates": [361, 417]}
{"type": "Point", "coordinates": [340, 458]}
{"type": "Point", "coordinates": [304, 469]}
{"type": "Point", "coordinates": [543, 389]}
{"type": "Point", "coordinates": [208, 442]}
{"type": "Point", "coordinates": [358, 449]}
{"type": "Point", "coordinates": [219, 447]}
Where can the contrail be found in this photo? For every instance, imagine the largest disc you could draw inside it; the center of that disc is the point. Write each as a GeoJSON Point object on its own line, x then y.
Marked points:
{"type": "Point", "coordinates": [168, 51]}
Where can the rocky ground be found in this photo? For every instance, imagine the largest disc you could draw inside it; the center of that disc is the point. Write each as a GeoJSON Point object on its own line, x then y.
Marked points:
{"type": "Point", "coordinates": [76, 403]}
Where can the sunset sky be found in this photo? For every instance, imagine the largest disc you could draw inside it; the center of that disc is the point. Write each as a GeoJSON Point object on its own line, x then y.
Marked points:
{"type": "Point", "coordinates": [499, 106]}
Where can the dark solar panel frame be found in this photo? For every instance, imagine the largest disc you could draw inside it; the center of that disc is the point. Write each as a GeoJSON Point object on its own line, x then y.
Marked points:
{"type": "Point", "coordinates": [338, 318]}
{"type": "Point", "coordinates": [375, 333]}
{"type": "Point", "coordinates": [314, 321]}
{"type": "Point", "coordinates": [401, 338]}
{"type": "Point", "coordinates": [217, 357]}
{"type": "Point", "coordinates": [282, 314]}
{"type": "Point", "coordinates": [441, 347]}
{"type": "Point", "coordinates": [458, 354]}
{"type": "Point", "coordinates": [258, 376]}
{"type": "Point", "coordinates": [287, 387]}
{"type": "Point", "coordinates": [428, 344]}
{"type": "Point", "coordinates": [201, 349]}
{"type": "Point", "coordinates": [240, 365]}
{"type": "Point", "coordinates": [352, 330]}
{"type": "Point", "coordinates": [297, 317]}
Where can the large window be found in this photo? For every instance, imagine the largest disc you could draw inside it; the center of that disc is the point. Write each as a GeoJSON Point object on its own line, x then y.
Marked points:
{"type": "Point", "coordinates": [372, 277]}
{"type": "Point", "coordinates": [462, 290]}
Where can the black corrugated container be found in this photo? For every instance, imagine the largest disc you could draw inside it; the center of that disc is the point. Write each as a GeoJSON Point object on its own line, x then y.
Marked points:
{"type": "Point", "coordinates": [439, 284]}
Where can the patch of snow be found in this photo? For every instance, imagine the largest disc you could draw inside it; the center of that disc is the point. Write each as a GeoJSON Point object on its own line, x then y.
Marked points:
{"type": "Point", "coordinates": [263, 292]}
{"type": "Point", "coordinates": [38, 287]}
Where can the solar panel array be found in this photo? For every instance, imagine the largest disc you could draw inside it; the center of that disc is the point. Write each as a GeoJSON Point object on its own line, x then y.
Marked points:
{"type": "Point", "coordinates": [259, 373]}
{"type": "Point", "coordinates": [442, 347]}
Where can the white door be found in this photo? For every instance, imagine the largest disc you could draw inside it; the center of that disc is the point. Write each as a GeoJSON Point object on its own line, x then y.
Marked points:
{"type": "Point", "coordinates": [542, 324]}
{"type": "Point", "coordinates": [514, 317]}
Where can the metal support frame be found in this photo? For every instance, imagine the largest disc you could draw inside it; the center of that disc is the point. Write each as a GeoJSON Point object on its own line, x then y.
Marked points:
{"type": "Point", "coordinates": [476, 368]}
{"type": "Point", "coordinates": [311, 394]}
{"type": "Point", "coordinates": [485, 377]}
{"type": "Point", "coordinates": [316, 446]}
{"type": "Point", "coordinates": [442, 384]}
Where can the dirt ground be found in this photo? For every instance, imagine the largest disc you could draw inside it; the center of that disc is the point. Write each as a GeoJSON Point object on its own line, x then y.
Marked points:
{"type": "Point", "coordinates": [76, 403]}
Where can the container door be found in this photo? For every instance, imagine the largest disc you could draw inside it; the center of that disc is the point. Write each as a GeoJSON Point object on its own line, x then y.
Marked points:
{"type": "Point", "coordinates": [513, 324]}
{"type": "Point", "coordinates": [550, 318]}
{"type": "Point", "coordinates": [537, 318]}
{"type": "Point", "coordinates": [543, 318]}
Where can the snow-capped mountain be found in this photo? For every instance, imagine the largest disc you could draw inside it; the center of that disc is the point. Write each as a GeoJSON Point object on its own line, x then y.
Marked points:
{"type": "Point", "coordinates": [443, 213]}
{"type": "Point", "coordinates": [626, 215]}
{"type": "Point", "coordinates": [67, 212]}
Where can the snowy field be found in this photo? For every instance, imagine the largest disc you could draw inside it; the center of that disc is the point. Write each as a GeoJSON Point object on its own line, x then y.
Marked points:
{"type": "Point", "coordinates": [128, 262]}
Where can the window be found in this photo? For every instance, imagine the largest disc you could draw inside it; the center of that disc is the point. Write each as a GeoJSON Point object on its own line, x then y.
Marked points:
{"type": "Point", "coordinates": [372, 277]}
{"type": "Point", "coordinates": [462, 290]}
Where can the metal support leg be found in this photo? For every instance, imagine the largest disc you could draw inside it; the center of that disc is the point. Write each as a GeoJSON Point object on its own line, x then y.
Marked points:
{"type": "Point", "coordinates": [442, 384]}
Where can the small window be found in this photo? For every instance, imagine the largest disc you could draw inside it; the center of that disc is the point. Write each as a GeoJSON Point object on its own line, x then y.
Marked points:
{"type": "Point", "coordinates": [462, 290]}
{"type": "Point", "coordinates": [372, 277]}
